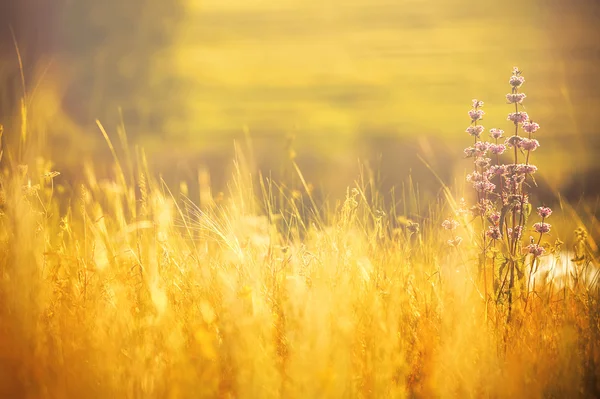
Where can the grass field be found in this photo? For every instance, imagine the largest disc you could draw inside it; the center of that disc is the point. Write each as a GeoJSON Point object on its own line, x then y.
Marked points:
{"type": "Point", "coordinates": [120, 288]}
{"type": "Point", "coordinates": [267, 267]}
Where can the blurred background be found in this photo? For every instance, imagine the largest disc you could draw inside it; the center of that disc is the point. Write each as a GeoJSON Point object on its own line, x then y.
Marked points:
{"type": "Point", "coordinates": [385, 82]}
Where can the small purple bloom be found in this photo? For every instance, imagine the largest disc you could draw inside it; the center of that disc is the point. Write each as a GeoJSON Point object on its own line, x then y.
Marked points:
{"type": "Point", "coordinates": [494, 233]}
{"type": "Point", "coordinates": [542, 228]}
{"type": "Point", "coordinates": [476, 114]}
{"type": "Point", "coordinates": [529, 144]}
{"type": "Point", "coordinates": [526, 169]}
{"type": "Point", "coordinates": [544, 212]}
{"type": "Point", "coordinates": [482, 162]}
{"type": "Point", "coordinates": [475, 130]}
{"type": "Point", "coordinates": [516, 81]}
{"type": "Point", "coordinates": [477, 103]}
{"type": "Point", "coordinates": [518, 117]}
{"type": "Point", "coordinates": [515, 98]}
{"type": "Point", "coordinates": [497, 170]}
{"type": "Point", "coordinates": [496, 133]}
{"type": "Point", "coordinates": [530, 127]}
{"type": "Point", "coordinates": [479, 185]}
{"type": "Point", "coordinates": [482, 147]}
{"type": "Point", "coordinates": [497, 149]}
{"type": "Point", "coordinates": [494, 217]}
{"type": "Point", "coordinates": [470, 152]}
{"type": "Point", "coordinates": [474, 177]}
{"type": "Point", "coordinates": [484, 186]}
{"type": "Point", "coordinates": [536, 250]}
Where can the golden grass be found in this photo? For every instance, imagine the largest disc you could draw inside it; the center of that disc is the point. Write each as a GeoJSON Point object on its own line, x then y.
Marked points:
{"type": "Point", "coordinates": [122, 288]}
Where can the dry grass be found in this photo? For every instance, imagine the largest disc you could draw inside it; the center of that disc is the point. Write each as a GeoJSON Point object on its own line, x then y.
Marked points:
{"type": "Point", "coordinates": [121, 288]}
{"type": "Point", "coordinates": [126, 287]}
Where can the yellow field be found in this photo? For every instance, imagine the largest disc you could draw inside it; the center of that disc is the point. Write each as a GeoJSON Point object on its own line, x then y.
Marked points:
{"type": "Point", "coordinates": [117, 288]}
{"type": "Point", "coordinates": [227, 229]}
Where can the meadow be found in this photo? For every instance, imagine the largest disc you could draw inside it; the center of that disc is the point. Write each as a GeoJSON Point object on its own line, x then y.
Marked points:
{"type": "Point", "coordinates": [286, 203]}
{"type": "Point", "coordinates": [124, 287]}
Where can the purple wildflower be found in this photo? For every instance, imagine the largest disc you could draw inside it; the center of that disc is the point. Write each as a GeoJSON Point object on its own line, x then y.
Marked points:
{"type": "Point", "coordinates": [496, 133]}
{"type": "Point", "coordinates": [515, 98]}
{"type": "Point", "coordinates": [475, 130]}
{"type": "Point", "coordinates": [530, 127]}
{"type": "Point", "coordinates": [536, 250]}
{"type": "Point", "coordinates": [494, 233]}
{"type": "Point", "coordinates": [516, 81]}
{"type": "Point", "coordinates": [526, 169]}
{"type": "Point", "coordinates": [483, 186]}
{"type": "Point", "coordinates": [542, 228]}
{"type": "Point", "coordinates": [494, 217]}
{"type": "Point", "coordinates": [529, 144]}
{"type": "Point", "coordinates": [544, 212]}
{"type": "Point", "coordinates": [482, 147]}
{"type": "Point", "coordinates": [477, 103]}
{"type": "Point", "coordinates": [476, 114]}
{"type": "Point", "coordinates": [497, 149]}
{"type": "Point", "coordinates": [475, 177]}
{"type": "Point", "coordinates": [518, 117]}
{"type": "Point", "coordinates": [497, 170]}
{"type": "Point", "coordinates": [470, 152]}
{"type": "Point", "coordinates": [482, 162]}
